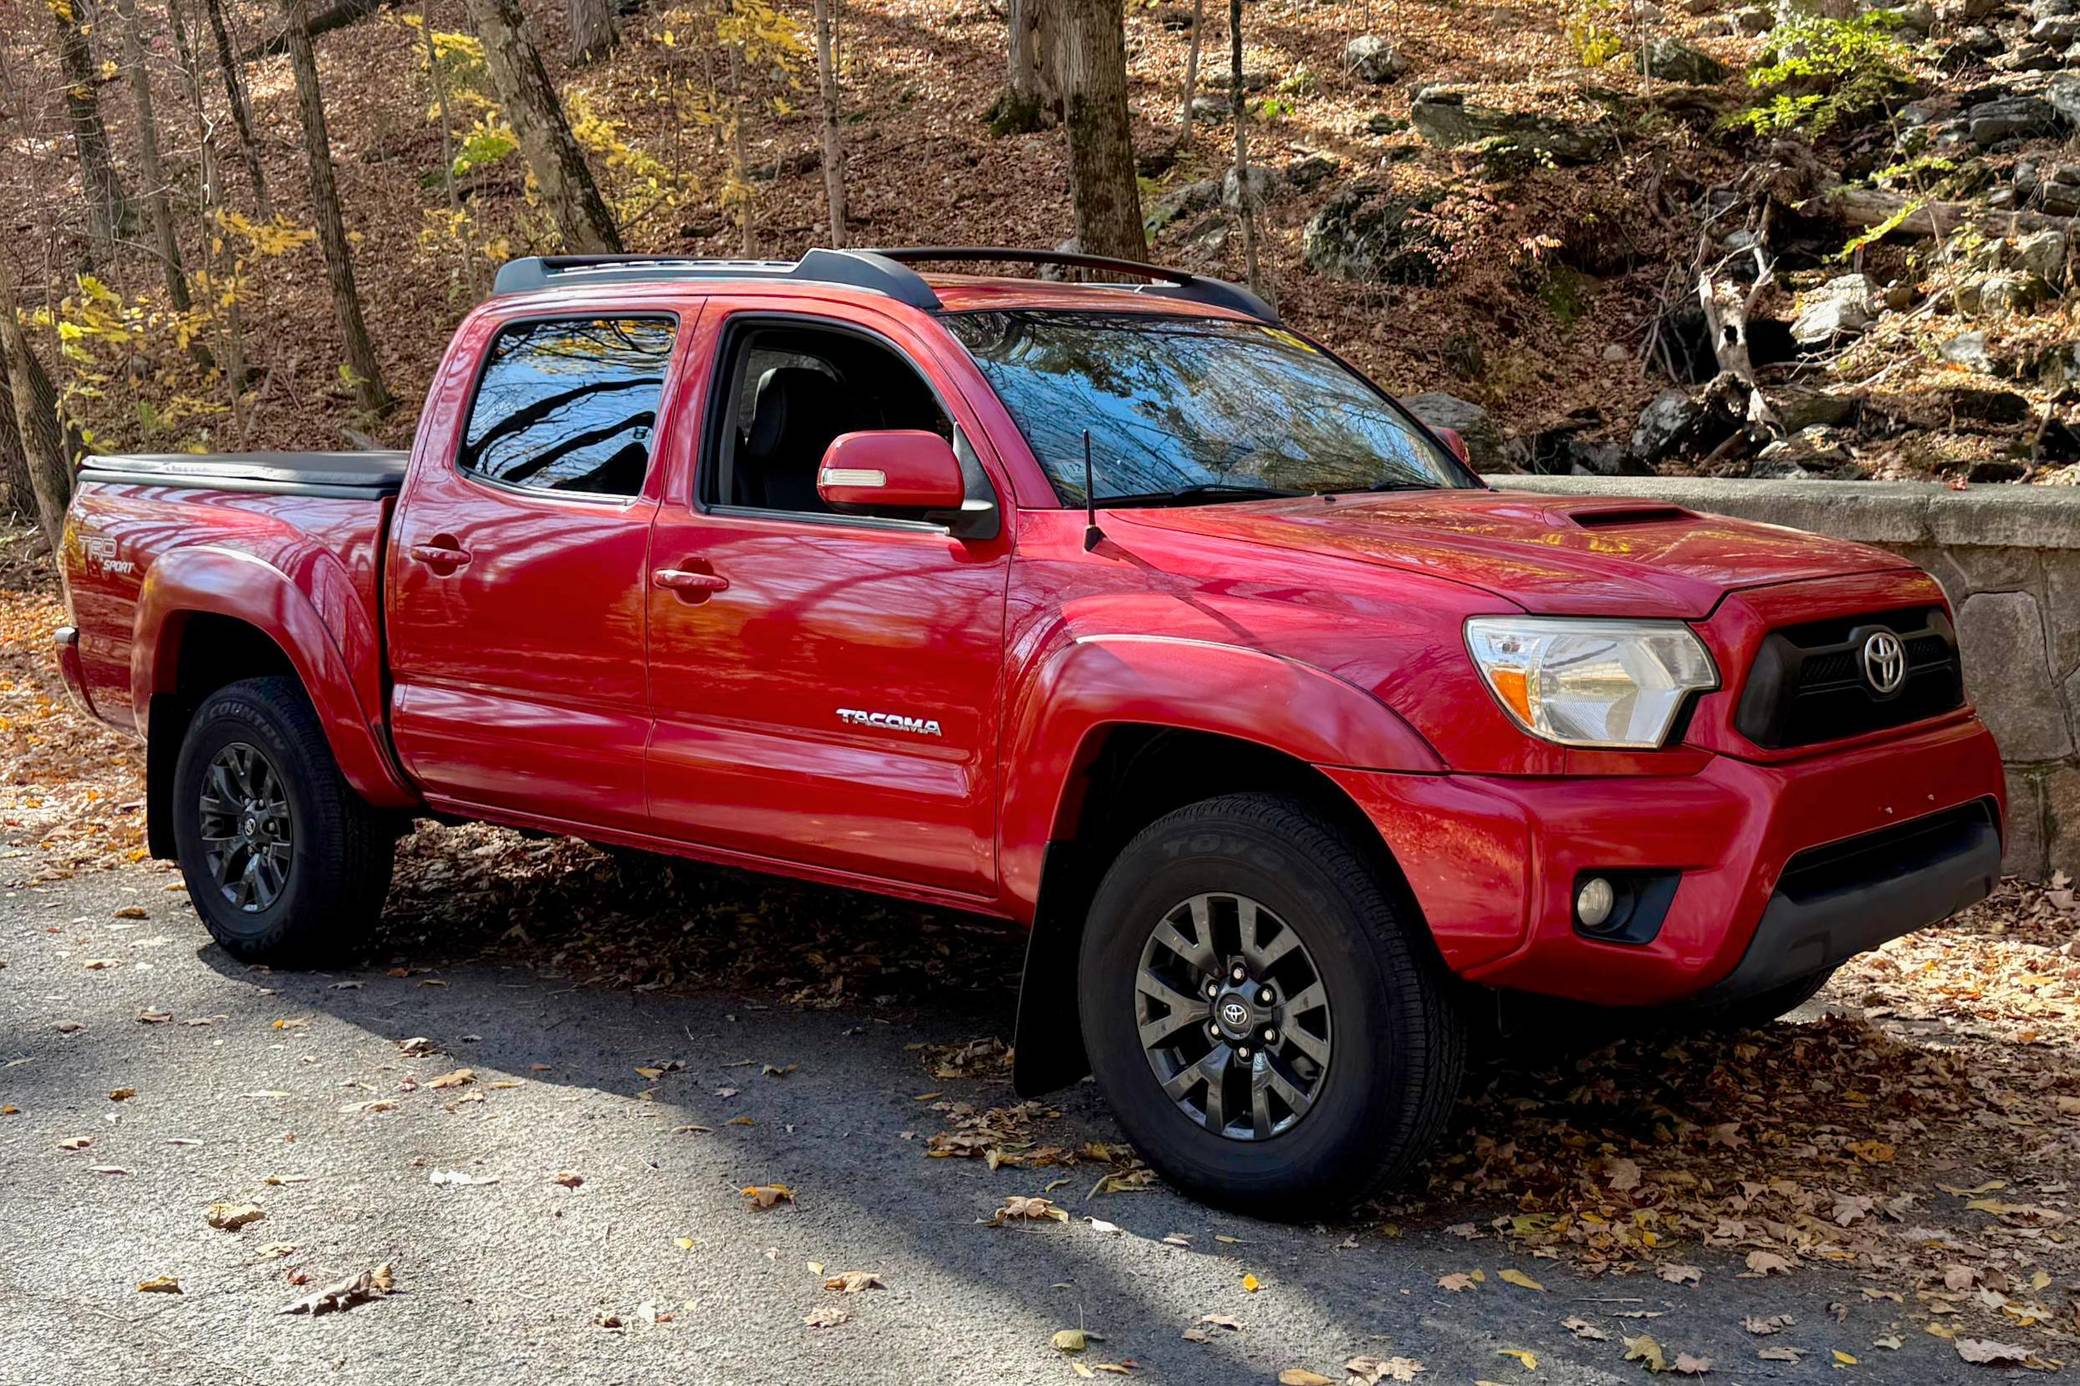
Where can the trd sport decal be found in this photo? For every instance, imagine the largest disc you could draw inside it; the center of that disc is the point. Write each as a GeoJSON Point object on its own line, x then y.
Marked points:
{"type": "Point", "coordinates": [890, 721]}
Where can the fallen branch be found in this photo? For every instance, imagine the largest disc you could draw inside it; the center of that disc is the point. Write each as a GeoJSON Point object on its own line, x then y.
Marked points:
{"type": "Point", "coordinates": [1868, 207]}
{"type": "Point", "coordinates": [323, 22]}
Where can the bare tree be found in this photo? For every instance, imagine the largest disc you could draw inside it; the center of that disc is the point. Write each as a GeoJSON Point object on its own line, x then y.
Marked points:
{"type": "Point", "coordinates": [241, 113]}
{"type": "Point", "coordinates": [325, 209]}
{"type": "Point", "coordinates": [222, 307]}
{"type": "Point", "coordinates": [1091, 62]}
{"type": "Point", "coordinates": [833, 138]}
{"type": "Point", "coordinates": [108, 207]}
{"type": "Point", "coordinates": [43, 439]}
{"type": "Point", "coordinates": [1238, 110]}
{"type": "Point", "coordinates": [531, 107]}
{"type": "Point", "coordinates": [1191, 72]}
{"type": "Point", "coordinates": [158, 208]}
{"type": "Point", "coordinates": [595, 28]}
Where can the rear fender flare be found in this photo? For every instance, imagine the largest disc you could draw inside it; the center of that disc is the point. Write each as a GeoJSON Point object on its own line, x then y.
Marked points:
{"type": "Point", "coordinates": [202, 580]}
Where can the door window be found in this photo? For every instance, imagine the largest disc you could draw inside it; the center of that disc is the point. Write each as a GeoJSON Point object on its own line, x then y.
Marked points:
{"type": "Point", "coordinates": [569, 405]}
{"type": "Point", "coordinates": [791, 390]}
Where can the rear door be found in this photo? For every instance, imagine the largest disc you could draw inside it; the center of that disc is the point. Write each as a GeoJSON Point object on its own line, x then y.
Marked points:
{"type": "Point", "coordinates": [825, 684]}
{"type": "Point", "coordinates": [516, 597]}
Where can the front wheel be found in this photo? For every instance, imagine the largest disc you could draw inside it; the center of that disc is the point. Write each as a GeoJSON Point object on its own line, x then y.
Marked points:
{"type": "Point", "coordinates": [284, 862]}
{"type": "Point", "coordinates": [1263, 1021]}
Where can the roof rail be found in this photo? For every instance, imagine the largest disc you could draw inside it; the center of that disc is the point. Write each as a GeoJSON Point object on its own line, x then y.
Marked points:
{"type": "Point", "coordinates": [861, 269]}
{"type": "Point", "coordinates": [880, 271]}
{"type": "Point", "coordinates": [1181, 284]}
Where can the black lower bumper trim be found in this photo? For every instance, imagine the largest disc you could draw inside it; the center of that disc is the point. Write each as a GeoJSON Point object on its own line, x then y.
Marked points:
{"type": "Point", "coordinates": [1845, 898]}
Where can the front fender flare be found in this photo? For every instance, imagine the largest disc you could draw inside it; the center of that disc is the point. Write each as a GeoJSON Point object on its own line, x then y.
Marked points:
{"type": "Point", "coordinates": [344, 685]}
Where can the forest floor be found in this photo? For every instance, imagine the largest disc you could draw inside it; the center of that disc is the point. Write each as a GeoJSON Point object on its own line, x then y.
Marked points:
{"type": "Point", "coordinates": [539, 1096]}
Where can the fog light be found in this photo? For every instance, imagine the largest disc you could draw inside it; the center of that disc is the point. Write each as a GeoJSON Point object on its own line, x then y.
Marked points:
{"type": "Point", "coordinates": [1594, 902]}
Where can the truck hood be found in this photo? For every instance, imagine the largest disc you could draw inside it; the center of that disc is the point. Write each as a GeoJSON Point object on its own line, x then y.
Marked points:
{"type": "Point", "coordinates": [1589, 556]}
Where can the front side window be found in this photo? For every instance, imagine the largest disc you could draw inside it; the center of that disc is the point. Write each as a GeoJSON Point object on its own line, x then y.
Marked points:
{"type": "Point", "coordinates": [1193, 409]}
{"type": "Point", "coordinates": [569, 405]}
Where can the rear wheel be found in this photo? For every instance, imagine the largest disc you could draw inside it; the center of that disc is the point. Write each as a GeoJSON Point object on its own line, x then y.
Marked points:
{"type": "Point", "coordinates": [284, 862]}
{"type": "Point", "coordinates": [1266, 1028]}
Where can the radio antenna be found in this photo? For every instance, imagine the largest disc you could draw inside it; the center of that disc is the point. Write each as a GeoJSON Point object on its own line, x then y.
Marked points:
{"type": "Point", "coordinates": [1091, 533]}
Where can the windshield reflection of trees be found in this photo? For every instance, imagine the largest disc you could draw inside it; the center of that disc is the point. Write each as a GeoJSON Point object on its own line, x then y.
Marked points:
{"type": "Point", "coordinates": [1172, 403]}
{"type": "Point", "coordinates": [570, 405]}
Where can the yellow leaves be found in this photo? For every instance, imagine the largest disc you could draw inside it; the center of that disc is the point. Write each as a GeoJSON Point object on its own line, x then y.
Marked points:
{"type": "Point", "coordinates": [159, 1285]}
{"type": "Point", "coordinates": [1844, 1359]}
{"type": "Point", "coordinates": [1513, 1276]}
{"type": "Point", "coordinates": [1018, 1207]}
{"type": "Point", "coordinates": [456, 1078]}
{"type": "Point", "coordinates": [1074, 1339]}
{"type": "Point", "coordinates": [854, 1282]}
{"type": "Point", "coordinates": [759, 1196]}
{"type": "Point", "coordinates": [122, 1094]}
{"type": "Point", "coordinates": [1301, 1376]}
{"type": "Point", "coordinates": [1872, 1152]}
{"type": "Point", "coordinates": [1529, 1360]}
{"type": "Point", "coordinates": [1250, 1284]}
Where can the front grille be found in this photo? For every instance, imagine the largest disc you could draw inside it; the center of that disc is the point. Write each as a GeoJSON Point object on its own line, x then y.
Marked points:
{"type": "Point", "coordinates": [1809, 684]}
{"type": "Point", "coordinates": [1881, 855]}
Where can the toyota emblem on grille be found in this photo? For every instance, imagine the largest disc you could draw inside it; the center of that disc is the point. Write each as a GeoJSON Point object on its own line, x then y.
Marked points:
{"type": "Point", "coordinates": [1884, 661]}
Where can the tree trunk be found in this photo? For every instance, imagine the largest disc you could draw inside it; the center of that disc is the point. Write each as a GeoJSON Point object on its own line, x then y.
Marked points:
{"type": "Point", "coordinates": [833, 138]}
{"type": "Point", "coordinates": [1191, 71]}
{"type": "Point", "coordinates": [595, 28]}
{"type": "Point", "coordinates": [20, 498]}
{"type": "Point", "coordinates": [36, 416]}
{"type": "Point", "coordinates": [108, 208]}
{"type": "Point", "coordinates": [220, 308]}
{"type": "Point", "coordinates": [325, 209]}
{"type": "Point", "coordinates": [531, 107]}
{"type": "Point", "coordinates": [157, 206]}
{"type": "Point", "coordinates": [241, 113]}
{"type": "Point", "coordinates": [1091, 57]}
{"type": "Point", "coordinates": [1238, 110]}
{"type": "Point", "coordinates": [1874, 207]}
{"type": "Point", "coordinates": [1029, 98]}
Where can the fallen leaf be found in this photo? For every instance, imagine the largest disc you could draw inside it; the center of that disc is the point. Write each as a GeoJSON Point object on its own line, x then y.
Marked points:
{"type": "Point", "coordinates": [1370, 1370]}
{"type": "Point", "coordinates": [1681, 1275]}
{"type": "Point", "coordinates": [1529, 1360]}
{"type": "Point", "coordinates": [1301, 1376]}
{"type": "Point", "coordinates": [1987, 1353]}
{"type": "Point", "coordinates": [828, 1316]}
{"type": "Point", "coordinates": [110, 1169]}
{"type": "Point", "coordinates": [1780, 1354]}
{"type": "Point", "coordinates": [154, 1017]}
{"type": "Point", "coordinates": [569, 1178]}
{"type": "Point", "coordinates": [458, 1078]}
{"type": "Point", "coordinates": [159, 1285]}
{"type": "Point", "coordinates": [1846, 1359]}
{"type": "Point", "coordinates": [1891, 1342]}
{"type": "Point", "coordinates": [1687, 1365]}
{"type": "Point", "coordinates": [1516, 1277]}
{"type": "Point", "coordinates": [275, 1251]}
{"type": "Point", "coordinates": [131, 912]}
{"type": "Point", "coordinates": [418, 1047]}
{"type": "Point", "coordinates": [853, 1282]}
{"type": "Point", "coordinates": [1459, 1281]}
{"type": "Point", "coordinates": [766, 1195]}
{"type": "Point", "coordinates": [231, 1216]}
{"type": "Point", "coordinates": [1250, 1284]}
{"type": "Point", "coordinates": [1586, 1331]}
{"type": "Point", "coordinates": [344, 1294]}
{"type": "Point", "coordinates": [1020, 1207]}
{"type": "Point", "coordinates": [1622, 1174]}
{"type": "Point", "coordinates": [122, 1094]}
{"type": "Point", "coordinates": [1645, 1350]}
{"type": "Point", "coordinates": [1767, 1263]}
{"type": "Point", "coordinates": [1074, 1339]}
{"type": "Point", "coordinates": [103, 964]}
{"type": "Point", "coordinates": [459, 1178]}
{"type": "Point", "coordinates": [76, 1143]}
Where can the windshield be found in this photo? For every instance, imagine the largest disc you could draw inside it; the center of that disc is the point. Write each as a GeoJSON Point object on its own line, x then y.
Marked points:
{"type": "Point", "coordinates": [1194, 408]}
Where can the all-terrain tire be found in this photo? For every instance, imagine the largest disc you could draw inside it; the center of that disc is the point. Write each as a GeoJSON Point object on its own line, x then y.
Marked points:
{"type": "Point", "coordinates": [1398, 1054]}
{"type": "Point", "coordinates": [340, 850]}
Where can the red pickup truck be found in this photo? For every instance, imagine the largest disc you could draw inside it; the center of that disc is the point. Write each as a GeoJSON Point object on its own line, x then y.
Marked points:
{"type": "Point", "coordinates": [1122, 612]}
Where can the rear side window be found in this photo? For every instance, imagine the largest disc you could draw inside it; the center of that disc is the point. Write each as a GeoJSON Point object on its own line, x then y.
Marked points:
{"type": "Point", "coordinates": [569, 405]}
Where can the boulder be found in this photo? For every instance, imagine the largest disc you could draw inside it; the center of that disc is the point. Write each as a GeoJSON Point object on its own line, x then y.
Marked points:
{"type": "Point", "coordinates": [1999, 293]}
{"type": "Point", "coordinates": [1665, 426]}
{"type": "Point", "coordinates": [2042, 253]}
{"type": "Point", "coordinates": [1672, 60]}
{"type": "Point", "coordinates": [1370, 232]}
{"type": "Point", "coordinates": [1968, 349]}
{"type": "Point", "coordinates": [1186, 201]}
{"type": "Point", "coordinates": [1839, 308]}
{"type": "Point", "coordinates": [2062, 95]}
{"type": "Point", "coordinates": [1474, 424]}
{"type": "Point", "coordinates": [1209, 108]}
{"type": "Point", "coordinates": [1263, 184]}
{"type": "Point", "coordinates": [2007, 118]}
{"type": "Point", "coordinates": [1751, 20]}
{"type": "Point", "coordinates": [1443, 116]}
{"type": "Point", "coordinates": [1371, 58]}
{"type": "Point", "coordinates": [1800, 407]}
{"type": "Point", "coordinates": [2057, 30]}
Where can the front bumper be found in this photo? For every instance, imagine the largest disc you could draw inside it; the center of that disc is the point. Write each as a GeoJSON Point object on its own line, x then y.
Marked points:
{"type": "Point", "coordinates": [1493, 862]}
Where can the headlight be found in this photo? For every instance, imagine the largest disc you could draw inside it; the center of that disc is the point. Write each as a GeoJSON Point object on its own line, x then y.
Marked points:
{"type": "Point", "coordinates": [1591, 683]}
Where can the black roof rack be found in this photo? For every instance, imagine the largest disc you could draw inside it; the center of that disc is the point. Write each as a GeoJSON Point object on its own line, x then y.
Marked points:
{"type": "Point", "coordinates": [882, 271]}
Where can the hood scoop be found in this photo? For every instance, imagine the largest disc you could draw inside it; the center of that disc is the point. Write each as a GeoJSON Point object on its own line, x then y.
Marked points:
{"type": "Point", "coordinates": [1624, 514]}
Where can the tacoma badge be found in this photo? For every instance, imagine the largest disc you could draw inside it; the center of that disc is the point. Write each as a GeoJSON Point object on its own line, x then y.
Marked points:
{"type": "Point", "coordinates": [890, 721]}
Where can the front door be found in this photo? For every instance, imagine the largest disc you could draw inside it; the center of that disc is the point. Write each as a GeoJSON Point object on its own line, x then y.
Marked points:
{"type": "Point", "coordinates": [516, 601]}
{"type": "Point", "coordinates": [825, 684]}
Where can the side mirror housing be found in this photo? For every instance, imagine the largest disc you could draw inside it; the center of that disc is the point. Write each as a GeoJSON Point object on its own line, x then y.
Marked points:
{"type": "Point", "coordinates": [1451, 438]}
{"type": "Point", "coordinates": [897, 468]}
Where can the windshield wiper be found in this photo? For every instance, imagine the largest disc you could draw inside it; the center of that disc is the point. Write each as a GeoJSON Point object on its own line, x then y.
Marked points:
{"type": "Point", "coordinates": [1205, 490]}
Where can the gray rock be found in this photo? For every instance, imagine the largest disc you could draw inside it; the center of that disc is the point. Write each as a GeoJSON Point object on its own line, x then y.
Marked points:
{"type": "Point", "coordinates": [1751, 19]}
{"type": "Point", "coordinates": [1263, 185]}
{"type": "Point", "coordinates": [1381, 123]}
{"type": "Point", "coordinates": [1672, 60]}
{"type": "Point", "coordinates": [2055, 29]}
{"type": "Point", "coordinates": [1917, 18]}
{"type": "Point", "coordinates": [2062, 95]}
{"type": "Point", "coordinates": [2010, 117]}
{"type": "Point", "coordinates": [2042, 254]}
{"type": "Point", "coordinates": [1443, 116]}
{"type": "Point", "coordinates": [2062, 816]}
{"type": "Point", "coordinates": [1839, 308]}
{"type": "Point", "coordinates": [1187, 201]}
{"type": "Point", "coordinates": [2058, 191]}
{"type": "Point", "coordinates": [2002, 635]}
{"type": "Point", "coordinates": [1615, 352]}
{"type": "Point", "coordinates": [1968, 349]}
{"type": "Point", "coordinates": [1956, 12]}
{"type": "Point", "coordinates": [1309, 170]}
{"type": "Point", "coordinates": [1371, 58]}
{"type": "Point", "coordinates": [2023, 852]}
{"type": "Point", "coordinates": [1365, 232]}
{"type": "Point", "coordinates": [1801, 407]}
{"type": "Point", "coordinates": [1475, 424]}
{"type": "Point", "coordinates": [1209, 108]}
{"type": "Point", "coordinates": [2000, 293]}
{"type": "Point", "coordinates": [1817, 9]}
{"type": "Point", "coordinates": [2027, 57]}
{"type": "Point", "coordinates": [1665, 425]}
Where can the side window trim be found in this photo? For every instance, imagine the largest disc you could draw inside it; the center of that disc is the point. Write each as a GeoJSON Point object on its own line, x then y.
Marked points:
{"type": "Point", "coordinates": [981, 514]}
{"type": "Point", "coordinates": [675, 365]}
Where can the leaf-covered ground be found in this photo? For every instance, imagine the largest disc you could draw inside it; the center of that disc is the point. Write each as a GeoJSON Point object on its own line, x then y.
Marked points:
{"type": "Point", "coordinates": [1888, 1180]}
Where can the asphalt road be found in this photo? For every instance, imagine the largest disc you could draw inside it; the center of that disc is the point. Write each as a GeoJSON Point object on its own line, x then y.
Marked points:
{"type": "Point", "coordinates": [509, 1281]}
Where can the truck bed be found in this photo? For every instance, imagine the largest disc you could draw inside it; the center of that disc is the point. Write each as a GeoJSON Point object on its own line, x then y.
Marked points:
{"type": "Point", "coordinates": [342, 475]}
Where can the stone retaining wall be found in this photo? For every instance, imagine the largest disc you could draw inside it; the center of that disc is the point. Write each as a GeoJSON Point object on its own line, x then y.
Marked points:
{"type": "Point", "coordinates": [2009, 558]}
